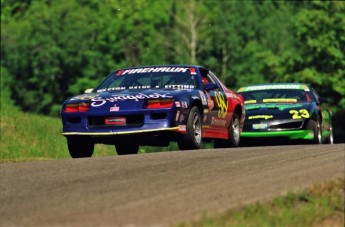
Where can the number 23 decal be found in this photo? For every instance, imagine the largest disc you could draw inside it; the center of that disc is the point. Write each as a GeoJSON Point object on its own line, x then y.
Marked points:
{"type": "Point", "coordinates": [298, 114]}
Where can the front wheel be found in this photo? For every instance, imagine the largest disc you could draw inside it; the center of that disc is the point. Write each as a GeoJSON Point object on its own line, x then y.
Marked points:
{"type": "Point", "coordinates": [316, 127]}
{"type": "Point", "coordinates": [329, 139]}
{"type": "Point", "coordinates": [80, 147]}
{"type": "Point", "coordinates": [192, 139]}
{"type": "Point", "coordinates": [233, 134]}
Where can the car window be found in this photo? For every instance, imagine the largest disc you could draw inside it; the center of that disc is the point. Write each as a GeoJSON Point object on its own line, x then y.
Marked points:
{"type": "Point", "coordinates": [314, 96]}
{"type": "Point", "coordinates": [118, 80]}
{"type": "Point", "coordinates": [212, 78]}
{"type": "Point", "coordinates": [274, 95]}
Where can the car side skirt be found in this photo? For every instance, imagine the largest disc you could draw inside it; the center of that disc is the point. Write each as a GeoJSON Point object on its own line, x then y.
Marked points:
{"type": "Point", "coordinates": [298, 134]}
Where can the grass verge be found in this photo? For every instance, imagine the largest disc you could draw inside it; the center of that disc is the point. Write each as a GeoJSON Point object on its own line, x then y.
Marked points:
{"type": "Point", "coordinates": [322, 205]}
{"type": "Point", "coordinates": [29, 137]}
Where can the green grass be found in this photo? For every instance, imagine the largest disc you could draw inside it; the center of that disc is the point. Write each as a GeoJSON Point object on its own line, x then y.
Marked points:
{"type": "Point", "coordinates": [322, 205]}
{"type": "Point", "coordinates": [28, 137]}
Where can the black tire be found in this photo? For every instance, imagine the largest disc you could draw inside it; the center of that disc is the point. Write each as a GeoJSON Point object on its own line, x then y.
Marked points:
{"type": "Point", "coordinates": [234, 134]}
{"type": "Point", "coordinates": [316, 127]}
{"type": "Point", "coordinates": [192, 139]}
{"type": "Point", "coordinates": [126, 148]}
{"type": "Point", "coordinates": [80, 147]}
{"type": "Point", "coordinates": [330, 139]}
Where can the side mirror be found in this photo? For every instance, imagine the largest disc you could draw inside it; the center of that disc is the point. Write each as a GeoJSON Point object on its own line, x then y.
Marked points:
{"type": "Point", "coordinates": [209, 87]}
{"type": "Point", "coordinates": [323, 100]}
{"type": "Point", "coordinates": [88, 91]}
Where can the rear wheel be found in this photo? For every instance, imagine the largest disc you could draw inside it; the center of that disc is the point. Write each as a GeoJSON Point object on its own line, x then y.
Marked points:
{"type": "Point", "coordinates": [192, 139]}
{"type": "Point", "coordinates": [233, 135]}
{"type": "Point", "coordinates": [80, 147]}
{"type": "Point", "coordinates": [126, 148]}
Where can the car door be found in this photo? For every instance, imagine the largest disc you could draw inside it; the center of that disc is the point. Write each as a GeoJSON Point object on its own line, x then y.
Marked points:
{"type": "Point", "coordinates": [217, 116]}
{"type": "Point", "coordinates": [324, 110]}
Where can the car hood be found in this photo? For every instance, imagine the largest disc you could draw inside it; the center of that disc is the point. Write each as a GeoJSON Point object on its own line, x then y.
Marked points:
{"type": "Point", "coordinates": [274, 110]}
{"type": "Point", "coordinates": [125, 99]}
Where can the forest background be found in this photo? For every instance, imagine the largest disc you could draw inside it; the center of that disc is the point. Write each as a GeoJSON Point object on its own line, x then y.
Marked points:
{"type": "Point", "coordinates": [53, 49]}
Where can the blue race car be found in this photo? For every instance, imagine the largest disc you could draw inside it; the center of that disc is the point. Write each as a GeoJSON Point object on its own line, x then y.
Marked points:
{"type": "Point", "coordinates": [286, 110]}
{"type": "Point", "coordinates": [153, 105]}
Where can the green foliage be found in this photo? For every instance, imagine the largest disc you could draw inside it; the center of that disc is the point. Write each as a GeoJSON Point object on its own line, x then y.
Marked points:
{"type": "Point", "coordinates": [58, 48]}
{"type": "Point", "coordinates": [320, 41]}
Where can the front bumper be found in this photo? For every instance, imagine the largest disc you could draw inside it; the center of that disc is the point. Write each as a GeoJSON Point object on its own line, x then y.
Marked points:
{"type": "Point", "coordinates": [295, 134]}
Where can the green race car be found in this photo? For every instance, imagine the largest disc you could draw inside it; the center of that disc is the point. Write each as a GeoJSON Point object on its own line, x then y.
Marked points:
{"type": "Point", "coordinates": [291, 111]}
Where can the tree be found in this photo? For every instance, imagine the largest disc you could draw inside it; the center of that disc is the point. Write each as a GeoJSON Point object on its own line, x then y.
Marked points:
{"type": "Point", "coordinates": [319, 57]}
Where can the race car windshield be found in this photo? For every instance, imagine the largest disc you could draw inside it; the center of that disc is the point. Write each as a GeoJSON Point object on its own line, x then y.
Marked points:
{"type": "Point", "coordinates": [180, 78]}
{"type": "Point", "coordinates": [274, 96]}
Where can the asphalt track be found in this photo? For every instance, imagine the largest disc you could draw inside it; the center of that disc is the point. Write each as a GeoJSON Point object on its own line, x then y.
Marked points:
{"type": "Point", "coordinates": [159, 189]}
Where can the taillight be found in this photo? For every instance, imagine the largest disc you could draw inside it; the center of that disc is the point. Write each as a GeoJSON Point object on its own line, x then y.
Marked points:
{"type": "Point", "coordinates": [84, 106]}
{"type": "Point", "coordinates": [71, 108]}
{"type": "Point", "coordinates": [159, 103]}
{"type": "Point", "coordinates": [78, 107]}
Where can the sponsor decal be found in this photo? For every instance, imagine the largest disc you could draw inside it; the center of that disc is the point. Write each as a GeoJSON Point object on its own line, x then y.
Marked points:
{"type": "Point", "coordinates": [298, 114]}
{"type": "Point", "coordinates": [222, 103]}
{"type": "Point", "coordinates": [114, 108]}
{"type": "Point", "coordinates": [272, 106]}
{"type": "Point", "coordinates": [155, 70]}
{"type": "Point", "coordinates": [177, 104]}
{"type": "Point", "coordinates": [182, 117]}
{"type": "Point", "coordinates": [260, 126]}
{"type": "Point", "coordinates": [100, 101]}
{"type": "Point", "coordinates": [181, 86]}
{"type": "Point", "coordinates": [177, 115]}
{"type": "Point", "coordinates": [192, 71]}
{"type": "Point", "coordinates": [241, 89]}
{"type": "Point", "coordinates": [279, 100]}
{"type": "Point", "coordinates": [115, 121]}
{"type": "Point", "coordinates": [111, 89]}
{"type": "Point", "coordinates": [203, 98]}
{"type": "Point", "coordinates": [272, 86]}
{"type": "Point", "coordinates": [119, 73]}
{"type": "Point", "coordinates": [210, 102]}
{"type": "Point", "coordinates": [184, 105]}
{"type": "Point", "coordinates": [218, 122]}
{"type": "Point", "coordinates": [305, 88]}
{"type": "Point", "coordinates": [260, 117]}
{"type": "Point", "coordinates": [139, 87]}
{"type": "Point", "coordinates": [250, 102]}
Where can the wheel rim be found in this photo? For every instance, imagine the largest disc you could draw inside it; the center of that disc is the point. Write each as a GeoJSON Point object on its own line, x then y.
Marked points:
{"type": "Point", "coordinates": [236, 129]}
{"type": "Point", "coordinates": [197, 128]}
{"type": "Point", "coordinates": [318, 133]}
{"type": "Point", "coordinates": [331, 136]}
